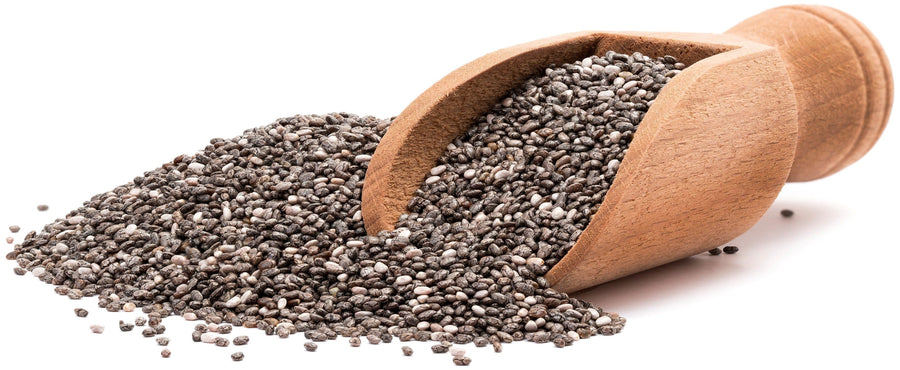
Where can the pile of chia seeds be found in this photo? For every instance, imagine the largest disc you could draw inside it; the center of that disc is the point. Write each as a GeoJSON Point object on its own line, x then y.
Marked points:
{"type": "Point", "coordinates": [265, 231]}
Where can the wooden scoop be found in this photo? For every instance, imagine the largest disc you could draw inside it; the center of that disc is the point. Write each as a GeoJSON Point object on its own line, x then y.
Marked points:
{"type": "Point", "coordinates": [793, 94]}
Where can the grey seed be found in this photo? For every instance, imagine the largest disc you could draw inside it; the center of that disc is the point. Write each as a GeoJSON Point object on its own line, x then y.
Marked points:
{"type": "Point", "coordinates": [237, 356]}
{"type": "Point", "coordinates": [19, 271]}
{"type": "Point", "coordinates": [310, 346]}
{"type": "Point", "coordinates": [373, 339]}
{"type": "Point", "coordinates": [221, 342]}
{"type": "Point", "coordinates": [197, 336]}
{"type": "Point", "coordinates": [462, 361]}
{"type": "Point", "coordinates": [165, 353]}
{"type": "Point", "coordinates": [163, 341]}
{"type": "Point", "coordinates": [439, 348]}
{"type": "Point", "coordinates": [80, 312]}
{"type": "Point", "coordinates": [407, 351]}
{"type": "Point", "coordinates": [14, 229]}
{"type": "Point", "coordinates": [149, 332]}
{"type": "Point", "coordinates": [123, 326]}
{"type": "Point", "coordinates": [355, 342]}
{"type": "Point", "coordinates": [97, 329]}
{"type": "Point", "coordinates": [140, 321]}
{"type": "Point", "coordinates": [241, 340]}
{"type": "Point", "coordinates": [43, 207]}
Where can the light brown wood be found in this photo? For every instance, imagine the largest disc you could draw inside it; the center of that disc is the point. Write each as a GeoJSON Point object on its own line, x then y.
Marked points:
{"type": "Point", "coordinates": [841, 78]}
{"type": "Point", "coordinates": [712, 152]}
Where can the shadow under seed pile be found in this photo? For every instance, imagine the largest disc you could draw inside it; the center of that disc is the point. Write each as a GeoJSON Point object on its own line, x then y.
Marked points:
{"type": "Point", "coordinates": [264, 230]}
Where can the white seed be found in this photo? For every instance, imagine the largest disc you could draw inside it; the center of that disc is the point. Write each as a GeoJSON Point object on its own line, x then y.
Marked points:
{"type": "Point", "coordinates": [432, 180]}
{"type": "Point", "coordinates": [380, 267]}
{"type": "Point", "coordinates": [233, 302]}
{"type": "Point", "coordinates": [128, 307]}
{"type": "Point", "coordinates": [603, 320]}
{"type": "Point", "coordinates": [403, 280]}
{"type": "Point", "coordinates": [196, 167]}
{"type": "Point", "coordinates": [558, 213]}
{"type": "Point", "coordinates": [436, 171]}
{"type": "Point", "coordinates": [422, 290]}
{"type": "Point", "coordinates": [333, 268]}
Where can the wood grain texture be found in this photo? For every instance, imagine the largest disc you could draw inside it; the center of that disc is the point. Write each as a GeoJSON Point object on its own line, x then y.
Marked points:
{"type": "Point", "coordinates": [712, 153]}
{"type": "Point", "coordinates": [841, 78]}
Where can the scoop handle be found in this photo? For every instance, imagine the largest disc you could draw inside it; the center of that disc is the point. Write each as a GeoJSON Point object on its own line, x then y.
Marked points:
{"type": "Point", "coordinates": [841, 78]}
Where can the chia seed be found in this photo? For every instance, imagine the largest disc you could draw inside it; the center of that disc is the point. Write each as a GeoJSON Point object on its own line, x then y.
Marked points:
{"type": "Point", "coordinates": [730, 249]}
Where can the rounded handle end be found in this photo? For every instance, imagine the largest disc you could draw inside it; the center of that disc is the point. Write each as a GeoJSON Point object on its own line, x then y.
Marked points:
{"type": "Point", "coordinates": [841, 78]}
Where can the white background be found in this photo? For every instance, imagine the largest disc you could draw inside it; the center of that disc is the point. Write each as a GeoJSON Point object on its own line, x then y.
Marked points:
{"type": "Point", "coordinates": [94, 93]}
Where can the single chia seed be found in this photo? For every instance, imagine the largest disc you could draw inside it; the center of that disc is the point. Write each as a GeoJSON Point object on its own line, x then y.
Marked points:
{"type": "Point", "coordinates": [163, 341]}
{"type": "Point", "coordinates": [241, 340]}
{"type": "Point", "coordinates": [730, 249]}
{"type": "Point", "coordinates": [123, 326]}
{"type": "Point", "coordinates": [462, 361]}
{"type": "Point", "coordinates": [715, 251]}
{"type": "Point", "coordinates": [43, 207]}
{"type": "Point", "coordinates": [787, 213]}
{"type": "Point", "coordinates": [80, 312]}
{"type": "Point", "coordinates": [97, 329]}
{"type": "Point", "coordinates": [310, 346]}
{"type": "Point", "coordinates": [237, 356]}
{"type": "Point", "coordinates": [407, 351]}
{"type": "Point", "coordinates": [14, 228]}
{"type": "Point", "coordinates": [165, 353]}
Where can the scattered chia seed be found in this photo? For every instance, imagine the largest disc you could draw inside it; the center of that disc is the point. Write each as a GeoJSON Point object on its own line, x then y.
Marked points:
{"type": "Point", "coordinates": [715, 251]}
{"type": "Point", "coordinates": [462, 361]}
{"type": "Point", "coordinates": [786, 213]}
{"type": "Point", "coordinates": [123, 326]}
{"type": "Point", "coordinates": [355, 341]}
{"type": "Point", "coordinates": [224, 329]}
{"type": "Point", "coordinates": [197, 336]}
{"type": "Point", "coordinates": [149, 332]}
{"type": "Point", "coordinates": [730, 249]}
{"type": "Point", "coordinates": [97, 329]}
{"type": "Point", "coordinates": [310, 346]}
{"type": "Point", "coordinates": [80, 312]}
{"type": "Point", "coordinates": [159, 329]}
{"type": "Point", "coordinates": [237, 356]}
{"type": "Point", "coordinates": [439, 348]}
{"type": "Point", "coordinates": [140, 321]}
{"type": "Point", "coordinates": [19, 271]}
{"type": "Point", "coordinates": [457, 352]}
{"type": "Point", "coordinates": [10, 240]}
{"type": "Point", "coordinates": [14, 228]}
{"type": "Point", "coordinates": [43, 207]}
{"type": "Point", "coordinates": [165, 353]}
{"type": "Point", "coordinates": [407, 351]}
{"type": "Point", "coordinates": [163, 341]}
{"type": "Point", "coordinates": [241, 340]}
{"type": "Point", "coordinates": [222, 342]}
